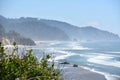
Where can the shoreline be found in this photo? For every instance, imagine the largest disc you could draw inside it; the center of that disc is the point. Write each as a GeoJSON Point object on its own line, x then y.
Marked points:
{"type": "Point", "coordinates": [79, 73]}
{"type": "Point", "coordinates": [84, 74]}
{"type": "Point", "coordinates": [110, 77]}
{"type": "Point", "coordinates": [106, 76]}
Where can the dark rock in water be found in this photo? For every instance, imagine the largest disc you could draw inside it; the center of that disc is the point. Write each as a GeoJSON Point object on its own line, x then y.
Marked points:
{"type": "Point", "coordinates": [75, 65]}
{"type": "Point", "coordinates": [65, 63]}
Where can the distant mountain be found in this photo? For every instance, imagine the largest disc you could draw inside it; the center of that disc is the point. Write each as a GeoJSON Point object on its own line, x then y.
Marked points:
{"type": "Point", "coordinates": [87, 33]}
{"type": "Point", "coordinates": [12, 36]}
{"type": "Point", "coordinates": [55, 30]}
{"type": "Point", "coordinates": [34, 29]}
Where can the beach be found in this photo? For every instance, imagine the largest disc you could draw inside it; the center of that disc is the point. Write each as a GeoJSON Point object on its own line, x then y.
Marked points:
{"type": "Point", "coordinates": [79, 73]}
{"type": "Point", "coordinates": [92, 65]}
{"type": "Point", "coordinates": [95, 60]}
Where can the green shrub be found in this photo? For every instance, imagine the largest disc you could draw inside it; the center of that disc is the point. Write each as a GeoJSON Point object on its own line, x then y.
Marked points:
{"type": "Point", "coordinates": [25, 67]}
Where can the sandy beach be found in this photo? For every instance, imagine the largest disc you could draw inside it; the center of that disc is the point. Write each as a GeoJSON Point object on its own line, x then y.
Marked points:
{"type": "Point", "coordinates": [78, 73]}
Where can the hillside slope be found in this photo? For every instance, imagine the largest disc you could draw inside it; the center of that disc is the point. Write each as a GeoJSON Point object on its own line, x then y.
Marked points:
{"type": "Point", "coordinates": [43, 29]}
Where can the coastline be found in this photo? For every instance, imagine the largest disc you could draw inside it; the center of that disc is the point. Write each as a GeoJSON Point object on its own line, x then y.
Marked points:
{"type": "Point", "coordinates": [77, 72]}
{"type": "Point", "coordinates": [61, 55]}
{"type": "Point", "coordinates": [80, 73]}
{"type": "Point", "coordinates": [109, 77]}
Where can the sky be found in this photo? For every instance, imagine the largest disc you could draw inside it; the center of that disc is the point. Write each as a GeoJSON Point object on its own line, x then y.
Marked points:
{"type": "Point", "coordinates": [102, 14]}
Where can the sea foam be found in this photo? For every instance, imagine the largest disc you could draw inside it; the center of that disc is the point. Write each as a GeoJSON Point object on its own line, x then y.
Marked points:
{"type": "Point", "coordinates": [104, 60]}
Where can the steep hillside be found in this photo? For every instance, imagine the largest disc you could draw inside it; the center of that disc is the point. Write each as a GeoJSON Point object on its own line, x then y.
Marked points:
{"type": "Point", "coordinates": [12, 36]}
{"type": "Point", "coordinates": [33, 28]}
{"type": "Point", "coordinates": [88, 33]}
{"type": "Point", "coordinates": [55, 30]}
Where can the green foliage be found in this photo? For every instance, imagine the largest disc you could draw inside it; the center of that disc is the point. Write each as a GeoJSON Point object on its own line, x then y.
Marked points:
{"type": "Point", "coordinates": [25, 67]}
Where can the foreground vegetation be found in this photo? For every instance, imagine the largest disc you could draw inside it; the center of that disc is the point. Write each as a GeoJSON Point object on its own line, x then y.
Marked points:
{"type": "Point", "coordinates": [14, 66]}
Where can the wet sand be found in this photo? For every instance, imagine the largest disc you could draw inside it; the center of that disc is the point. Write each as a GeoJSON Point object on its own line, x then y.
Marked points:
{"type": "Point", "coordinates": [112, 78]}
{"type": "Point", "coordinates": [78, 73]}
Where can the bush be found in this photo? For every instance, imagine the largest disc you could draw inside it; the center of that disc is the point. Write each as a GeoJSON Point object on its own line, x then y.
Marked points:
{"type": "Point", "coordinates": [25, 67]}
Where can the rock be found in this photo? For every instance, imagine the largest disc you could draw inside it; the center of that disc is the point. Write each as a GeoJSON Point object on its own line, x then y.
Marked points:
{"type": "Point", "coordinates": [75, 65]}
{"type": "Point", "coordinates": [65, 63]}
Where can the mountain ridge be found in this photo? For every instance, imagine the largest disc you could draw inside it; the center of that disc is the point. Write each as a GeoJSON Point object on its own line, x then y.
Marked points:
{"type": "Point", "coordinates": [7, 38]}
{"type": "Point", "coordinates": [44, 29]}
{"type": "Point", "coordinates": [79, 32]}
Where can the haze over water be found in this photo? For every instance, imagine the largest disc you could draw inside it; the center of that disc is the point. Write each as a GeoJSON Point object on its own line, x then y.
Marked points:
{"type": "Point", "coordinates": [103, 57]}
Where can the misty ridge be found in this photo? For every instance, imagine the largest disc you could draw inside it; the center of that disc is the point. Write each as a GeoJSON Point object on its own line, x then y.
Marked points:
{"type": "Point", "coordinates": [7, 38]}
{"type": "Point", "coordinates": [53, 30]}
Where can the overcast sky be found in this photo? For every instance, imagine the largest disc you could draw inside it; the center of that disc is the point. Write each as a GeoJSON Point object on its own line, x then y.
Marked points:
{"type": "Point", "coordinates": [103, 14]}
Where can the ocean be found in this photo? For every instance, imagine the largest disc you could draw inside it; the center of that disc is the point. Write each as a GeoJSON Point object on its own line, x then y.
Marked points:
{"type": "Point", "coordinates": [102, 57]}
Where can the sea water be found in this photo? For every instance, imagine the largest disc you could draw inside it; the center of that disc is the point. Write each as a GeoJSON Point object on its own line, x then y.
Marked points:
{"type": "Point", "coordinates": [103, 57]}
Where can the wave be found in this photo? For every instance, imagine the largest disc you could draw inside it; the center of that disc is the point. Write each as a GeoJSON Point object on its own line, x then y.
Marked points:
{"type": "Point", "coordinates": [77, 46]}
{"type": "Point", "coordinates": [113, 52]}
{"type": "Point", "coordinates": [64, 55]}
{"type": "Point", "coordinates": [104, 60]}
{"type": "Point", "coordinates": [107, 75]}
{"type": "Point", "coordinates": [68, 45]}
